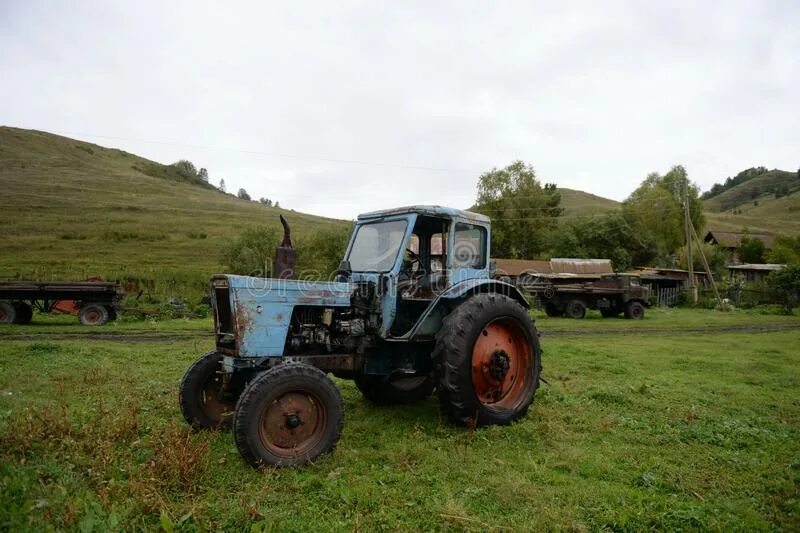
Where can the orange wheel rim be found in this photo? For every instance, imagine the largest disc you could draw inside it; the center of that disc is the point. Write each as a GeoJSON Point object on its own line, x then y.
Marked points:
{"type": "Point", "coordinates": [292, 424]}
{"type": "Point", "coordinates": [502, 364]}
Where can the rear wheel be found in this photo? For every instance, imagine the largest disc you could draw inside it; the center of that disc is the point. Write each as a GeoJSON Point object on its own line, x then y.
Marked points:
{"type": "Point", "coordinates": [200, 397]}
{"type": "Point", "coordinates": [575, 309]}
{"type": "Point", "coordinates": [489, 361]}
{"type": "Point", "coordinates": [8, 313]}
{"type": "Point", "coordinates": [93, 315]}
{"type": "Point", "coordinates": [288, 416]}
{"type": "Point", "coordinates": [379, 390]}
{"type": "Point", "coordinates": [634, 310]}
{"type": "Point", "coordinates": [24, 313]}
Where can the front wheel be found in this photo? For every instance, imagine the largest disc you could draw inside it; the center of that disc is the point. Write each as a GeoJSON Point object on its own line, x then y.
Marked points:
{"type": "Point", "coordinates": [93, 315]}
{"type": "Point", "coordinates": [489, 361]}
{"type": "Point", "coordinates": [200, 397]}
{"type": "Point", "coordinates": [288, 416]}
{"type": "Point", "coordinates": [634, 310]}
{"type": "Point", "coordinates": [575, 309]}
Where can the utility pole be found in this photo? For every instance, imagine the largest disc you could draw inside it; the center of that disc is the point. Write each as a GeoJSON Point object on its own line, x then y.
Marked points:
{"type": "Point", "coordinates": [687, 226]}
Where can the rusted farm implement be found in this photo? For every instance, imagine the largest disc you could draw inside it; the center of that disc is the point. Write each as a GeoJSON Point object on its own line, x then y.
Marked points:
{"type": "Point", "coordinates": [412, 310]}
{"type": "Point", "coordinates": [95, 302]}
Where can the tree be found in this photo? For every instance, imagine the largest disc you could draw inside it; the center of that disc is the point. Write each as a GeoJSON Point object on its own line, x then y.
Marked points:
{"type": "Point", "coordinates": [751, 249]}
{"type": "Point", "coordinates": [320, 252]}
{"type": "Point", "coordinates": [265, 201]}
{"type": "Point", "coordinates": [785, 250]}
{"type": "Point", "coordinates": [522, 211]}
{"type": "Point", "coordinates": [277, 203]}
{"type": "Point", "coordinates": [251, 252]}
{"type": "Point", "coordinates": [243, 195]}
{"type": "Point", "coordinates": [222, 185]}
{"type": "Point", "coordinates": [185, 169]}
{"type": "Point", "coordinates": [203, 174]}
{"type": "Point", "coordinates": [786, 282]}
{"type": "Point", "coordinates": [606, 237]}
{"type": "Point", "coordinates": [655, 209]}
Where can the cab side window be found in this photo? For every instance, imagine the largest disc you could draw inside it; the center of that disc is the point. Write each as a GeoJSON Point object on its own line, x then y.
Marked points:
{"type": "Point", "coordinates": [469, 246]}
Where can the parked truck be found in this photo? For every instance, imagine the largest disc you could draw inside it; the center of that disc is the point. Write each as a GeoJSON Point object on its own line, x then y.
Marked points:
{"type": "Point", "coordinates": [612, 295]}
{"type": "Point", "coordinates": [412, 309]}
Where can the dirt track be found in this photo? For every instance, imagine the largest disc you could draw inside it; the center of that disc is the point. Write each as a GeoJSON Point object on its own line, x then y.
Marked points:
{"type": "Point", "coordinates": [134, 336]}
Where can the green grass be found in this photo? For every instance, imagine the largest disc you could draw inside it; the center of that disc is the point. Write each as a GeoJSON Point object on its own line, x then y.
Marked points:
{"type": "Point", "coordinates": [652, 431]}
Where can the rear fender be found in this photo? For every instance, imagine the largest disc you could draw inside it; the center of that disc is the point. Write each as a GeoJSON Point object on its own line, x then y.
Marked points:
{"type": "Point", "coordinates": [431, 319]}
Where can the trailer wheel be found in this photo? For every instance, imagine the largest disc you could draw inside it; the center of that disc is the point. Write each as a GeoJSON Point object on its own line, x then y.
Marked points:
{"type": "Point", "coordinates": [394, 392]}
{"type": "Point", "coordinates": [199, 395]}
{"type": "Point", "coordinates": [288, 416]}
{"type": "Point", "coordinates": [552, 310]}
{"type": "Point", "coordinates": [634, 310]}
{"type": "Point", "coordinates": [575, 309]}
{"type": "Point", "coordinates": [93, 315]}
{"type": "Point", "coordinates": [24, 313]}
{"type": "Point", "coordinates": [8, 313]}
{"type": "Point", "coordinates": [488, 360]}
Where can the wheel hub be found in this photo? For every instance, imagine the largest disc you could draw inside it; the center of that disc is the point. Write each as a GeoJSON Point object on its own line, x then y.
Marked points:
{"type": "Point", "coordinates": [292, 423]}
{"type": "Point", "coordinates": [499, 364]}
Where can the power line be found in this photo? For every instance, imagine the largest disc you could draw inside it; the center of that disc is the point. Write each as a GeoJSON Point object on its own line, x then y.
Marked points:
{"type": "Point", "coordinates": [276, 154]}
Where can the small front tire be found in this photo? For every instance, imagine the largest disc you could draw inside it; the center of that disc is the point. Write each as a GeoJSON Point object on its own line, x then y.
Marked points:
{"type": "Point", "coordinates": [575, 309]}
{"type": "Point", "coordinates": [199, 396]}
{"type": "Point", "coordinates": [24, 313]}
{"type": "Point", "coordinates": [288, 416]}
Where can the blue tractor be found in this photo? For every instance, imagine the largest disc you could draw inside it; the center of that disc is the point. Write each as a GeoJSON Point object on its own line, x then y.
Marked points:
{"type": "Point", "coordinates": [412, 309]}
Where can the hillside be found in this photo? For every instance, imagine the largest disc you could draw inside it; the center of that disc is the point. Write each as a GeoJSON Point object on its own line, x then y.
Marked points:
{"type": "Point", "coordinates": [583, 203]}
{"type": "Point", "coordinates": [73, 210]}
{"type": "Point", "coordinates": [753, 204]}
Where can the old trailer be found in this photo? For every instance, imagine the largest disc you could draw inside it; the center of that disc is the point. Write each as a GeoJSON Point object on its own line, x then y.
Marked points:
{"type": "Point", "coordinates": [95, 302]}
{"type": "Point", "coordinates": [612, 295]}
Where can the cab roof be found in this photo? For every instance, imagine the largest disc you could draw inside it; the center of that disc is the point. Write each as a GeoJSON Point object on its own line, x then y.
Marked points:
{"type": "Point", "coordinates": [430, 210]}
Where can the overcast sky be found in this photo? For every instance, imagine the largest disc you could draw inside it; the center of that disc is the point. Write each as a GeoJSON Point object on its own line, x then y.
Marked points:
{"type": "Point", "coordinates": [340, 107]}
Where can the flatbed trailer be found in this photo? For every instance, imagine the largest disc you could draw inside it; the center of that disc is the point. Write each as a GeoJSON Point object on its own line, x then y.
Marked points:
{"type": "Point", "coordinates": [612, 295]}
{"type": "Point", "coordinates": [95, 302]}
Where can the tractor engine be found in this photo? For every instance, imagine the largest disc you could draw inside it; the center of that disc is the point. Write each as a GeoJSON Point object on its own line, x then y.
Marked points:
{"type": "Point", "coordinates": [319, 330]}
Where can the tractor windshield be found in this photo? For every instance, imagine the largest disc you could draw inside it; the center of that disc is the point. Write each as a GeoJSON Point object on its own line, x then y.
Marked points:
{"type": "Point", "coordinates": [376, 246]}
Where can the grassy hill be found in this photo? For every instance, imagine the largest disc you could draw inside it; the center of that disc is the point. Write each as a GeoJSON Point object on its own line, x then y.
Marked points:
{"type": "Point", "coordinates": [583, 203]}
{"type": "Point", "coordinates": [73, 210]}
{"type": "Point", "coordinates": [753, 204]}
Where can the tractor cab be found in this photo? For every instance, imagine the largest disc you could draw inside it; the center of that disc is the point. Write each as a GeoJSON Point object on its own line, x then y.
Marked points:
{"type": "Point", "coordinates": [415, 254]}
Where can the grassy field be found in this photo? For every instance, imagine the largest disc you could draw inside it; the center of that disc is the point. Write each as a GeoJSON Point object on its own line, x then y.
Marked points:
{"type": "Point", "coordinates": [651, 431]}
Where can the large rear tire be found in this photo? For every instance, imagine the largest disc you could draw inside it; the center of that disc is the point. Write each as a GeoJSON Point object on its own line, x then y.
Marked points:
{"type": "Point", "coordinates": [381, 391]}
{"type": "Point", "coordinates": [488, 360]}
{"type": "Point", "coordinates": [199, 396]}
{"type": "Point", "coordinates": [288, 416]}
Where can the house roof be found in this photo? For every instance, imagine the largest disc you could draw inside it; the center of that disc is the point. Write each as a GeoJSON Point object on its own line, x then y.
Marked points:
{"type": "Point", "coordinates": [732, 239]}
{"type": "Point", "coordinates": [556, 267]}
{"type": "Point", "coordinates": [581, 266]}
{"type": "Point", "coordinates": [757, 266]}
{"type": "Point", "coordinates": [515, 267]}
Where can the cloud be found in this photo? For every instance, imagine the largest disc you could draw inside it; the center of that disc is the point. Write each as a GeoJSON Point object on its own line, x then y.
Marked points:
{"type": "Point", "coordinates": [327, 107]}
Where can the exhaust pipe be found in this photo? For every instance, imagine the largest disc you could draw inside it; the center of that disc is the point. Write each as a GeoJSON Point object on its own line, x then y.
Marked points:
{"type": "Point", "coordinates": [285, 255]}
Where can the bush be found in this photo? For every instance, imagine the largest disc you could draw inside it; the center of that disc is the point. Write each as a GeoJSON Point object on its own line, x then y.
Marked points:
{"type": "Point", "coordinates": [786, 282]}
{"type": "Point", "coordinates": [252, 252]}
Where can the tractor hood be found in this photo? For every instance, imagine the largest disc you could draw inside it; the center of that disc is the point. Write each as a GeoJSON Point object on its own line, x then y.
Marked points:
{"type": "Point", "coordinates": [252, 315]}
